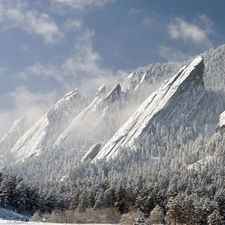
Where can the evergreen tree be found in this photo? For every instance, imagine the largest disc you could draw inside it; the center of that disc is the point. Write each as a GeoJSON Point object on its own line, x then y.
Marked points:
{"type": "Point", "coordinates": [173, 211]}
{"type": "Point", "coordinates": [215, 218]}
{"type": "Point", "coordinates": [122, 200]}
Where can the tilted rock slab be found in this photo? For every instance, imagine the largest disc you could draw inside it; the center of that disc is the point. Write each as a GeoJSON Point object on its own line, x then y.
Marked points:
{"type": "Point", "coordinates": [179, 98]}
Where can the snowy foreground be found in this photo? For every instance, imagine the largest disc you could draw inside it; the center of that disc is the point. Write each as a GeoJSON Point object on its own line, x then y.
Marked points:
{"type": "Point", "coordinates": [21, 222]}
{"type": "Point", "coordinates": [33, 223]}
{"type": "Point", "coordinates": [11, 217]}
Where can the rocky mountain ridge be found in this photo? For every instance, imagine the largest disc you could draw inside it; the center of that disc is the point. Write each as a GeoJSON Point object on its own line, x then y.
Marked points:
{"type": "Point", "coordinates": [184, 91]}
{"type": "Point", "coordinates": [47, 128]}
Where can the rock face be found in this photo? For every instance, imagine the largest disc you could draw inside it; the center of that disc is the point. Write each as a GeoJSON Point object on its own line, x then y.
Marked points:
{"type": "Point", "coordinates": [47, 129]}
{"type": "Point", "coordinates": [221, 124]}
{"type": "Point", "coordinates": [178, 100]}
{"type": "Point", "coordinates": [92, 152]}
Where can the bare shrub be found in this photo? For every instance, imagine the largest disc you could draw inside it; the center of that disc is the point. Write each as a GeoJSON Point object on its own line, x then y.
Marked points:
{"type": "Point", "coordinates": [112, 215]}
{"type": "Point", "coordinates": [36, 217]}
{"type": "Point", "coordinates": [107, 215]}
{"type": "Point", "coordinates": [129, 218]}
{"type": "Point", "coordinates": [67, 216]}
{"type": "Point", "coordinates": [157, 215]}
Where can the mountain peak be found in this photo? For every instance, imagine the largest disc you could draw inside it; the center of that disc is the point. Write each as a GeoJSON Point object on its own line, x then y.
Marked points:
{"type": "Point", "coordinates": [46, 130]}
{"type": "Point", "coordinates": [177, 99]}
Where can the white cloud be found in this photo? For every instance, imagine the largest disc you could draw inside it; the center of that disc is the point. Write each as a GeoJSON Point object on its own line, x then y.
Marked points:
{"type": "Point", "coordinates": [204, 21]}
{"type": "Point", "coordinates": [134, 11]}
{"type": "Point", "coordinates": [196, 33]}
{"type": "Point", "coordinates": [26, 103]}
{"type": "Point", "coordinates": [41, 70]}
{"type": "Point", "coordinates": [17, 14]}
{"type": "Point", "coordinates": [2, 70]}
{"type": "Point", "coordinates": [5, 121]}
{"type": "Point", "coordinates": [72, 25]}
{"type": "Point", "coordinates": [82, 4]}
{"type": "Point", "coordinates": [150, 22]}
{"type": "Point", "coordinates": [83, 69]}
{"type": "Point", "coordinates": [85, 58]}
{"type": "Point", "coordinates": [147, 21]}
{"type": "Point", "coordinates": [171, 54]}
{"type": "Point", "coordinates": [25, 48]}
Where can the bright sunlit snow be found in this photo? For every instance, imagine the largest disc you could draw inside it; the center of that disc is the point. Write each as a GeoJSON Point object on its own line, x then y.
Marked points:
{"type": "Point", "coordinates": [35, 223]}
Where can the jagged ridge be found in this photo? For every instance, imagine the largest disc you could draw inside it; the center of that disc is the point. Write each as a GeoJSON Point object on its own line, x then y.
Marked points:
{"type": "Point", "coordinates": [48, 127]}
{"type": "Point", "coordinates": [90, 119]}
{"type": "Point", "coordinates": [184, 91]}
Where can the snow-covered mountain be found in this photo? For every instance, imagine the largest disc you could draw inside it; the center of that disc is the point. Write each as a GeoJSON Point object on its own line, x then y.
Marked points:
{"type": "Point", "coordinates": [18, 128]}
{"type": "Point", "coordinates": [120, 116]}
{"type": "Point", "coordinates": [47, 129]}
{"type": "Point", "coordinates": [177, 100]}
{"type": "Point", "coordinates": [89, 122]}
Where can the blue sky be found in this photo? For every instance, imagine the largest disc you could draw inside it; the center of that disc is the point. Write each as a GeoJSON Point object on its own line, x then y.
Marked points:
{"type": "Point", "coordinates": [50, 47]}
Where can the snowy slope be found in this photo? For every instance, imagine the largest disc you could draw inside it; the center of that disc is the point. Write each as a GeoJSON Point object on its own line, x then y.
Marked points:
{"type": "Point", "coordinates": [177, 99]}
{"type": "Point", "coordinates": [8, 216]}
{"type": "Point", "coordinates": [38, 223]}
{"type": "Point", "coordinates": [18, 128]}
{"type": "Point", "coordinates": [88, 124]}
{"type": "Point", "coordinates": [81, 117]}
{"type": "Point", "coordinates": [47, 129]}
{"type": "Point", "coordinates": [143, 75]}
